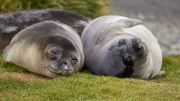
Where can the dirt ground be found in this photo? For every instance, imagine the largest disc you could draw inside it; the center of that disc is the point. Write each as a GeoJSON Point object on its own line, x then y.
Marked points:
{"type": "Point", "coordinates": [21, 76]}
{"type": "Point", "coordinates": [161, 17]}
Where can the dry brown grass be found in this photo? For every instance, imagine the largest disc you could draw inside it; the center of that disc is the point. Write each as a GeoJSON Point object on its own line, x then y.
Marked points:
{"type": "Point", "coordinates": [21, 76]}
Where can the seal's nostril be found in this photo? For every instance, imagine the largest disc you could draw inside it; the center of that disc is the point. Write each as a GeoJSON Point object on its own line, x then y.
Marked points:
{"type": "Point", "coordinates": [138, 40]}
{"type": "Point", "coordinates": [137, 48]}
{"type": "Point", "coordinates": [63, 63]}
{"type": "Point", "coordinates": [136, 44]}
{"type": "Point", "coordinates": [64, 66]}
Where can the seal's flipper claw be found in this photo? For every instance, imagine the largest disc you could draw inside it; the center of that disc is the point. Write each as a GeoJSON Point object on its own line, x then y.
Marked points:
{"type": "Point", "coordinates": [161, 72]}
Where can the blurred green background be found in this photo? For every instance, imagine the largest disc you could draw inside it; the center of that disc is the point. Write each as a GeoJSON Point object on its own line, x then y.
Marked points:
{"type": "Point", "coordinates": [89, 8]}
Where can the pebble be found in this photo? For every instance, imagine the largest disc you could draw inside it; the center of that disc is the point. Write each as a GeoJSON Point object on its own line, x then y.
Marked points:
{"type": "Point", "coordinates": [174, 47]}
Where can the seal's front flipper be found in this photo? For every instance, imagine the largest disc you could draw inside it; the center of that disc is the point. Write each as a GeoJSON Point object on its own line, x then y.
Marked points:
{"type": "Point", "coordinates": [127, 23]}
{"type": "Point", "coordinates": [161, 72]}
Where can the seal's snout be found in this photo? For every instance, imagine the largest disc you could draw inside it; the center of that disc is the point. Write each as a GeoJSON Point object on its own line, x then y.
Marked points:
{"type": "Point", "coordinates": [137, 44]}
{"type": "Point", "coordinates": [139, 48]}
{"type": "Point", "coordinates": [64, 64]}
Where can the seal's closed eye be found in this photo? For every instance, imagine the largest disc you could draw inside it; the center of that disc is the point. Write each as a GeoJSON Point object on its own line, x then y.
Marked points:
{"type": "Point", "coordinates": [122, 42]}
{"type": "Point", "coordinates": [53, 53]}
{"type": "Point", "coordinates": [74, 60]}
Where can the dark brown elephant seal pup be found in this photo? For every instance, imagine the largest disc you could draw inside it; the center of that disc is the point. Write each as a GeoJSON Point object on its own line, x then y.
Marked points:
{"type": "Point", "coordinates": [47, 48]}
{"type": "Point", "coordinates": [12, 23]}
{"type": "Point", "coordinates": [121, 47]}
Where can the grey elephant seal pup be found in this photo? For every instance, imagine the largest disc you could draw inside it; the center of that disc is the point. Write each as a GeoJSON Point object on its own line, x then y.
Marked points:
{"type": "Point", "coordinates": [121, 47]}
{"type": "Point", "coordinates": [47, 48]}
{"type": "Point", "coordinates": [12, 23]}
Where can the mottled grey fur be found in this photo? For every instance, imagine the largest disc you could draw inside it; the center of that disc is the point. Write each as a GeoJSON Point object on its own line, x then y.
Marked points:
{"type": "Point", "coordinates": [121, 47]}
{"type": "Point", "coordinates": [12, 23]}
{"type": "Point", "coordinates": [47, 48]}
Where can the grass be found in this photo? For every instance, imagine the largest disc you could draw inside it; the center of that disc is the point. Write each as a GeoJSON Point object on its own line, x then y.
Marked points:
{"type": "Point", "coordinates": [89, 8]}
{"type": "Point", "coordinates": [19, 84]}
{"type": "Point", "coordinates": [85, 86]}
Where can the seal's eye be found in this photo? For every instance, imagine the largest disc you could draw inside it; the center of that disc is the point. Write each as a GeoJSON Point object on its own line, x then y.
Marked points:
{"type": "Point", "coordinates": [122, 42]}
{"type": "Point", "coordinates": [74, 60]}
{"type": "Point", "coordinates": [129, 61]}
{"type": "Point", "coordinates": [55, 54]}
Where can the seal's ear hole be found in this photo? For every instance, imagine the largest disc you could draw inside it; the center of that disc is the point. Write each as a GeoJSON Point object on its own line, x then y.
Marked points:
{"type": "Point", "coordinates": [54, 53]}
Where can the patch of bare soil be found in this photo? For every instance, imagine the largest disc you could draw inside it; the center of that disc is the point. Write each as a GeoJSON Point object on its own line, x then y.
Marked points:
{"type": "Point", "coordinates": [21, 76]}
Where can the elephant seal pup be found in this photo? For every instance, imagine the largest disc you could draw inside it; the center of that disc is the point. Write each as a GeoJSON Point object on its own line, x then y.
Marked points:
{"type": "Point", "coordinates": [121, 47]}
{"type": "Point", "coordinates": [47, 48]}
{"type": "Point", "coordinates": [12, 23]}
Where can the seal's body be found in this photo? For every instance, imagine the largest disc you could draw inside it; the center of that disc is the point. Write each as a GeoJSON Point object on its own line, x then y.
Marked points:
{"type": "Point", "coordinates": [12, 23]}
{"type": "Point", "coordinates": [121, 47]}
{"type": "Point", "coordinates": [47, 48]}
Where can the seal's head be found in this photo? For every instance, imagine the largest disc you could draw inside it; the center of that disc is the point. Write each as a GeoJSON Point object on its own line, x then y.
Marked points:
{"type": "Point", "coordinates": [47, 48]}
{"type": "Point", "coordinates": [62, 59]}
{"type": "Point", "coordinates": [121, 47]}
{"type": "Point", "coordinates": [125, 55]}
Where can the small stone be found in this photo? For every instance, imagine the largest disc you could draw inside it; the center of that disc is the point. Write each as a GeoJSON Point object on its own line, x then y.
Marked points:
{"type": "Point", "coordinates": [157, 38]}
{"type": "Point", "coordinates": [141, 16]}
{"type": "Point", "coordinates": [174, 47]}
